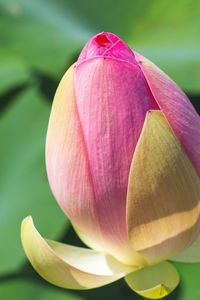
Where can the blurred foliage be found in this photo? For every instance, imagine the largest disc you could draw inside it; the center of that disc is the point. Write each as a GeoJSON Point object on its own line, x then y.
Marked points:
{"type": "Point", "coordinates": [39, 40]}
{"type": "Point", "coordinates": [25, 188]}
{"type": "Point", "coordinates": [32, 290]}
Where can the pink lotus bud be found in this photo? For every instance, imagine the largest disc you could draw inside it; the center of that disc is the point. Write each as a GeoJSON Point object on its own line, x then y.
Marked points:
{"type": "Point", "coordinates": [123, 159]}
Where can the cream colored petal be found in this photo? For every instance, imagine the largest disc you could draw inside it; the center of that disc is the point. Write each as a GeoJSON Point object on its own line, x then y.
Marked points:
{"type": "Point", "coordinates": [191, 254]}
{"type": "Point", "coordinates": [163, 193]}
{"type": "Point", "coordinates": [137, 261]}
{"type": "Point", "coordinates": [69, 266]}
{"type": "Point", "coordinates": [154, 282]}
{"type": "Point", "coordinates": [88, 241]}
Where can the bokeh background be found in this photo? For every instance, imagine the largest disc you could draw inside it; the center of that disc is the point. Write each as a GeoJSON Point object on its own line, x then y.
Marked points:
{"type": "Point", "coordinates": [39, 39]}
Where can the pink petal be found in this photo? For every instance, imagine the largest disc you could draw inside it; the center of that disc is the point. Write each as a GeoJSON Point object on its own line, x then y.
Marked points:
{"type": "Point", "coordinates": [176, 107]}
{"type": "Point", "coordinates": [66, 163]}
{"type": "Point", "coordinates": [112, 100]}
{"type": "Point", "coordinates": [75, 181]}
{"type": "Point", "coordinates": [107, 44]}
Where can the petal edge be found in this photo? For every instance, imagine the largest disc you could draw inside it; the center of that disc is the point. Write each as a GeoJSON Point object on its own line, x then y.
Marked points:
{"type": "Point", "coordinates": [69, 266]}
{"type": "Point", "coordinates": [163, 200]}
{"type": "Point", "coordinates": [154, 282]}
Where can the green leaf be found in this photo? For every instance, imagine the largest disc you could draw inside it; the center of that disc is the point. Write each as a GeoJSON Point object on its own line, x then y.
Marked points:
{"type": "Point", "coordinates": [24, 186]}
{"type": "Point", "coordinates": [42, 33]}
{"type": "Point", "coordinates": [24, 290]}
{"type": "Point", "coordinates": [189, 283]}
{"type": "Point", "coordinates": [13, 72]}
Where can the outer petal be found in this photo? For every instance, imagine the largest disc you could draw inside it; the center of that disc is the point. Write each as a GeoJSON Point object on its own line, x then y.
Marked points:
{"type": "Point", "coordinates": [112, 100]}
{"type": "Point", "coordinates": [76, 178]}
{"type": "Point", "coordinates": [66, 160]}
{"type": "Point", "coordinates": [154, 282]}
{"type": "Point", "coordinates": [189, 255]}
{"type": "Point", "coordinates": [176, 107]}
{"type": "Point", "coordinates": [68, 266]}
{"type": "Point", "coordinates": [163, 193]}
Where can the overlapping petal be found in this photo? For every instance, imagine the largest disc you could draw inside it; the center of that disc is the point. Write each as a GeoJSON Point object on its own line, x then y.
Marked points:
{"type": "Point", "coordinates": [107, 44]}
{"type": "Point", "coordinates": [123, 161]}
{"type": "Point", "coordinates": [112, 104]}
{"type": "Point", "coordinates": [154, 282]}
{"type": "Point", "coordinates": [66, 160]}
{"type": "Point", "coordinates": [163, 193]}
{"type": "Point", "coordinates": [176, 107]}
{"type": "Point", "coordinates": [98, 214]}
{"type": "Point", "coordinates": [69, 266]}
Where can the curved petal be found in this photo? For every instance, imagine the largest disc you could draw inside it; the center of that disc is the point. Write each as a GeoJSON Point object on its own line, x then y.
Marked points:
{"type": "Point", "coordinates": [88, 241]}
{"type": "Point", "coordinates": [100, 217]}
{"type": "Point", "coordinates": [189, 255]}
{"type": "Point", "coordinates": [176, 107]}
{"type": "Point", "coordinates": [163, 204]}
{"type": "Point", "coordinates": [66, 162]}
{"type": "Point", "coordinates": [68, 266]}
{"type": "Point", "coordinates": [111, 115]}
{"type": "Point", "coordinates": [154, 282]}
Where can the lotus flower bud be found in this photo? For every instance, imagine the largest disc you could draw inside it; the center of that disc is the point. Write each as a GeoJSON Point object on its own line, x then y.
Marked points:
{"type": "Point", "coordinates": [123, 162]}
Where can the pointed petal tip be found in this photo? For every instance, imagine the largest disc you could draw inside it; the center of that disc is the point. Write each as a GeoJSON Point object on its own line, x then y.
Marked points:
{"type": "Point", "coordinates": [26, 220]}
{"type": "Point", "coordinates": [107, 44]}
{"type": "Point", "coordinates": [178, 110]}
{"type": "Point", "coordinates": [159, 231]}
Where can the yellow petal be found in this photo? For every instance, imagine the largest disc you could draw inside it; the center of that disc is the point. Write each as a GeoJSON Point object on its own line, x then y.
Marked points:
{"type": "Point", "coordinates": [154, 282]}
{"type": "Point", "coordinates": [163, 193]}
{"type": "Point", "coordinates": [69, 266]}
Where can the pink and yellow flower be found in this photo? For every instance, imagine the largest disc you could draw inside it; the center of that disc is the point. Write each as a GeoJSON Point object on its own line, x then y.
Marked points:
{"type": "Point", "coordinates": [123, 162]}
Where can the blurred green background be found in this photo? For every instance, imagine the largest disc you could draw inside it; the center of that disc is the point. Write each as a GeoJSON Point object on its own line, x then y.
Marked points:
{"type": "Point", "coordinates": [39, 39]}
